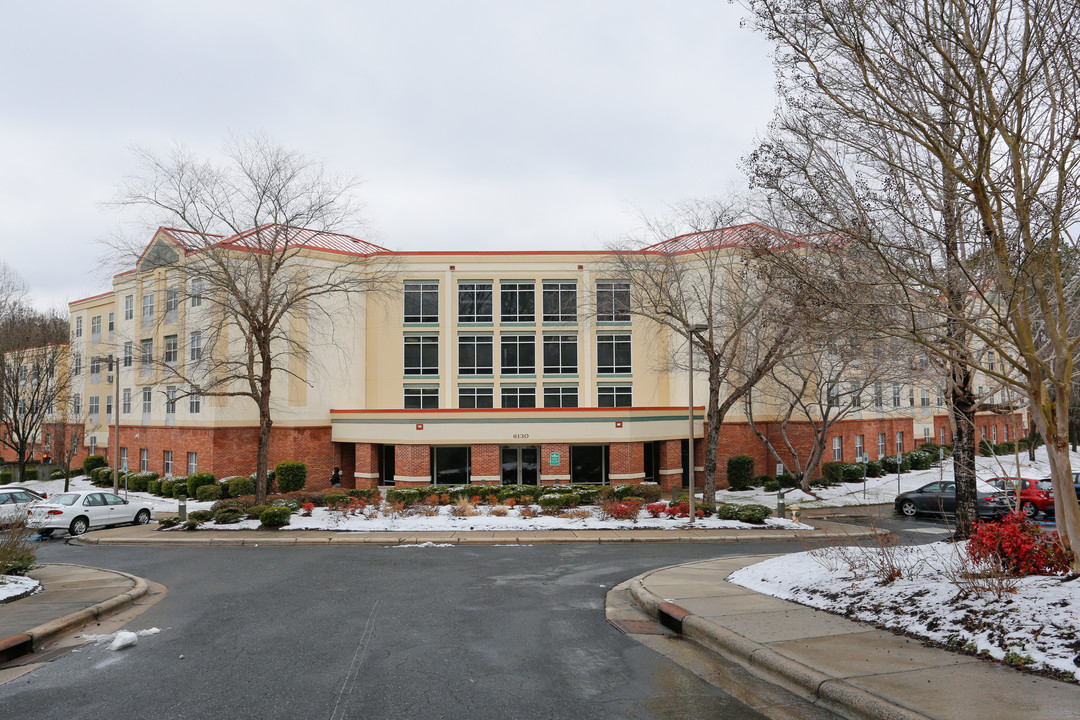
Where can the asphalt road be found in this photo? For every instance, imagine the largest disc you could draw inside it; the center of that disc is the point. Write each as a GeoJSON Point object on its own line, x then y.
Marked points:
{"type": "Point", "coordinates": [373, 632]}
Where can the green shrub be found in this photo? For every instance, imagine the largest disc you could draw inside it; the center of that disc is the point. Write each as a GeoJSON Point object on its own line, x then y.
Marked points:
{"type": "Point", "coordinates": [168, 522]}
{"type": "Point", "coordinates": [30, 474]}
{"type": "Point", "coordinates": [986, 449]}
{"type": "Point", "coordinates": [727, 512]}
{"type": "Point", "coordinates": [919, 459]}
{"type": "Point", "coordinates": [179, 487]}
{"type": "Point", "coordinates": [275, 517]}
{"type": "Point", "coordinates": [92, 462]}
{"type": "Point", "coordinates": [228, 516]}
{"type": "Point", "coordinates": [740, 471]}
{"type": "Point", "coordinates": [754, 514]}
{"type": "Point", "coordinates": [370, 494]}
{"type": "Point", "coordinates": [153, 487]}
{"type": "Point", "coordinates": [853, 472]}
{"type": "Point", "coordinates": [787, 480]}
{"type": "Point", "coordinates": [318, 499]}
{"type": "Point", "coordinates": [763, 480]}
{"type": "Point", "coordinates": [56, 475]}
{"type": "Point", "coordinates": [255, 511]}
{"type": "Point", "coordinates": [240, 486]}
{"type": "Point", "coordinates": [1006, 448]}
{"type": "Point", "coordinates": [290, 475]}
{"type": "Point", "coordinates": [240, 503]}
{"type": "Point", "coordinates": [200, 515]}
{"type": "Point", "coordinates": [196, 481]}
{"type": "Point", "coordinates": [888, 464]}
{"type": "Point", "coordinates": [931, 447]}
{"type": "Point", "coordinates": [5, 476]}
{"type": "Point", "coordinates": [874, 469]}
{"type": "Point", "coordinates": [138, 482]}
{"type": "Point", "coordinates": [556, 501]}
{"type": "Point", "coordinates": [772, 486]}
{"type": "Point", "coordinates": [833, 472]}
{"type": "Point", "coordinates": [191, 524]}
{"type": "Point", "coordinates": [205, 493]}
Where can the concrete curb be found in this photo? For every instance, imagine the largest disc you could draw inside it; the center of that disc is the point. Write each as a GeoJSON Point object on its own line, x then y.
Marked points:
{"type": "Point", "coordinates": [824, 690]}
{"type": "Point", "coordinates": [35, 637]}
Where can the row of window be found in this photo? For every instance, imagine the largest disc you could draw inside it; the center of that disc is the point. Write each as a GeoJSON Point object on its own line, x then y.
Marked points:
{"type": "Point", "coordinates": [838, 446]}
{"type": "Point", "coordinates": [517, 301]}
{"type": "Point", "coordinates": [172, 302]}
{"type": "Point", "coordinates": [167, 466]}
{"type": "Point", "coordinates": [517, 354]}
{"type": "Point", "coordinates": [93, 408]}
{"type": "Point", "coordinates": [523, 396]}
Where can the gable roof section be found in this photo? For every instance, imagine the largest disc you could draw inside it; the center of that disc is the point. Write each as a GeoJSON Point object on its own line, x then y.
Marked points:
{"type": "Point", "coordinates": [747, 236]}
{"type": "Point", "coordinates": [294, 237]}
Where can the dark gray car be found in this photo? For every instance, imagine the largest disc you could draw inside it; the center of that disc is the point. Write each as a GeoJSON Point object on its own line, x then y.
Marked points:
{"type": "Point", "coordinates": [940, 498]}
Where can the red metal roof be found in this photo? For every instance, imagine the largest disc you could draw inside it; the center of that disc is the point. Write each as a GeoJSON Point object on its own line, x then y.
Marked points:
{"type": "Point", "coordinates": [750, 235]}
{"type": "Point", "coordinates": [278, 237]}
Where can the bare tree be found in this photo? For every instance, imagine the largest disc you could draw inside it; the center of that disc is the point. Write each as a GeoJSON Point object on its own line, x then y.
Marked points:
{"type": "Point", "coordinates": [705, 287]}
{"type": "Point", "coordinates": [256, 247]}
{"type": "Point", "coordinates": [934, 141]}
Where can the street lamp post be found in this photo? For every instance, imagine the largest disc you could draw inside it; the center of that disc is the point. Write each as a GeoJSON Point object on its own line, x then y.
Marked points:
{"type": "Point", "coordinates": [114, 368]}
{"type": "Point", "coordinates": [692, 330]}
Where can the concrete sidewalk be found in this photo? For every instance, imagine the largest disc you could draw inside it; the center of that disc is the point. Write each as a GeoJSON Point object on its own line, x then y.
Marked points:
{"type": "Point", "coordinates": [149, 535]}
{"type": "Point", "coordinates": [850, 668]}
{"type": "Point", "coordinates": [71, 596]}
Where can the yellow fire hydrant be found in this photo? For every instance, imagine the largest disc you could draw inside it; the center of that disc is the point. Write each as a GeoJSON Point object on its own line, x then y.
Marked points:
{"type": "Point", "coordinates": [794, 513]}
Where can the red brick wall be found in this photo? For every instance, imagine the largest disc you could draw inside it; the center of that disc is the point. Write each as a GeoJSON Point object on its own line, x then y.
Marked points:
{"type": "Point", "coordinates": [412, 463]}
{"type": "Point", "coordinates": [563, 468]}
{"type": "Point", "coordinates": [485, 462]}
{"type": "Point", "coordinates": [670, 459]}
{"type": "Point", "coordinates": [627, 459]}
{"type": "Point", "coordinates": [1014, 425]}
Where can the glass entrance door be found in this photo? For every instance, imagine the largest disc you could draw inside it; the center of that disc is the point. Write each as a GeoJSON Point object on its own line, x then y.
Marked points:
{"type": "Point", "coordinates": [520, 465]}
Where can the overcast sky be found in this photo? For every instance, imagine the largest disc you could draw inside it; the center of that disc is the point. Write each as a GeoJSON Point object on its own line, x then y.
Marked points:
{"type": "Point", "coordinates": [474, 125]}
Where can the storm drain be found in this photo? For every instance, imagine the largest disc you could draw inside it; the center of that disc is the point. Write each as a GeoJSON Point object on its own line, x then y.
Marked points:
{"type": "Point", "coordinates": [640, 627]}
{"type": "Point", "coordinates": [671, 616]}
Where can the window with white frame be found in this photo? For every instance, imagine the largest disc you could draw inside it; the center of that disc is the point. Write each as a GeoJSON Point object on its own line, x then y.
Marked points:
{"type": "Point", "coordinates": [924, 398]}
{"type": "Point", "coordinates": [144, 460]}
{"type": "Point", "coordinates": [472, 398]}
{"type": "Point", "coordinates": [112, 325]}
{"type": "Point", "coordinates": [899, 443]}
{"type": "Point", "coordinates": [78, 326]}
{"type": "Point", "coordinates": [879, 396]}
{"type": "Point", "coordinates": [421, 398]}
{"type": "Point", "coordinates": [421, 354]}
{"type": "Point", "coordinates": [172, 350]}
{"type": "Point", "coordinates": [520, 396]}
{"type": "Point", "coordinates": [108, 406]}
{"type": "Point", "coordinates": [560, 354]}
{"type": "Point", "coordinates": [95, 329]}
{"type": "Point", "coordinates": [192, 463]}
{"type": "Point", "coordinates": [76, 404]}
{"type": "Point", "coordinates": [147, 400]}
{"type": "Point", "coordinates": [838, 448]}
{"type": "Point", "coordinates": [194, 402]}
{"type": "Point", "coordinates": [896, 395]}
{"type": "Point", "coordinates": [560, 301]}
{"type": "Point", "coordinates": [129, 307]}
{"type": "Point", "coordinates": [166, 462]}
{"type": "Point", "coordinates": [146, 359]}
{"type": "Point", "coordinates": [125, 401]}
{"type": "Point", "coordinates": [93, 408]}
{"type": "Point", "coordinates": [124, 459]}
{"type": "Point", "coordinates": [880, 445]}
{"type": "Point", "coordinates": [517, 302]}
{"type": "Point", "coordinates": [148, 310]}
{"type": "Point", "coordinates": [170, 400]}
{"type": "Point", "coordinates": [990, 360]}
{"type": "Point", "coordinates": [612, 354]}
{"type": "Point", "coordinates": [196, 292]}
{"type": "Point", "coordinates": [614, 396]}
{"type": "Point", "coordinates": [859, 449]}
{"type": "Point", "coordinates": [926, 434]}
{"type": "Point", "coordinates": [195, 346]}
{"type": "Point", "coordinates": [911, 396]}
{"type": "Point", "coordinates": [612, 301]}
{"type": "Point", "coordinates": [832, 395]}
{"type": "Point", "coordinates": [474, 302]}
{"type": "Point", "coordinates": [172, 301]}
{"type": "Point", "coordinates": [95, 368]}
{"type": "Point", "coordinates": [421, 302]}
{"type": "Point", "coordinates": [560, 396]}
{"type": "Point", "coordinates": [994, 434]}
{"type": "Point", "coordinates": [856, 396]}
{"type": "Point", "coordinates": [76, 364]}
{"type": "Point", "coordinates": [941, 436]}
{"type": "Point", "coordinates": [517, 355]}
{"type": "Point", "coordinates": [93, 445]}
{"type": "Point", "coordinates": [475, 355]}
{"type": "Point", "coordinates": [129, 353]}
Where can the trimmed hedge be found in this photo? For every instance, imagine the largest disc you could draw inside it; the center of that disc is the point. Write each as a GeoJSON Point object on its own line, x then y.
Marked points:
{"type": "Point", "coordinates": [740, 472]}
{"type": "Point", "coordinates": [275, 517]}
{"type": "Point", "coordinates": [205, 493]}
{"type": "Point", "coordinates": [196, 481]}
{"type": "Point", "coordinates": [754, 514]}
{"type": "Point", "coordinates": [290, 475]}
{"type": "Point", "coordinates": [5, 476]}
{"type": "Point", "coordinates": [92, 462]}
{"type": "Point", "coordinates": [228, 516]}
{"type": "Point", "coordinates": [874, 469]}
{"type": "Point", "coordinates": [833, 472]}
{"type": "Point", "coordinates": [153, 487]}
{"type": "Point", "coordinates": [240, 486]}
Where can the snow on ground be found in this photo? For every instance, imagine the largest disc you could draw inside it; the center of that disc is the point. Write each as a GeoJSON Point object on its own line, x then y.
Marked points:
{"type": "Point", "coordinates": [1037, 626]}
{"type": "Point", "coordinates": [885, 489]}
{"type": "Point", "coordinates": [442, 519]}
{"type": "Point", "coordinates": [82, 482]}
{"type": "Point", "coordinates": [13, 587]}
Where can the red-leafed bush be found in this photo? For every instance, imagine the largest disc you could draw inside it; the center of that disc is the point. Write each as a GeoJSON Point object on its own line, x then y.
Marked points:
{"type": "Point", "coordinates": [1018, 546]}
{"type": "Point", "coordinates": [307, 508]}
{"type": "Point", "coordinates": [627, 509]}
{"type": "Point", "coordinates": [682, 510]}
{"type": "Point", "coordinates": [655, 508]}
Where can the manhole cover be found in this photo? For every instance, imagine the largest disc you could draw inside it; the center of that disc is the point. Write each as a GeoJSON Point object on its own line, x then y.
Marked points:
{"type": "Point", "coordinates": [640, 627]}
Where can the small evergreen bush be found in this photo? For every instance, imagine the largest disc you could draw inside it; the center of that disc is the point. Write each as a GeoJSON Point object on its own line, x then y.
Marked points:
{"type": "Point", "coordinates": [727, 512]}
{"type": "Point", "coordinates": [196, 481]}
{"type": "Point", "coordinates": [920, 459]}
{"type": "Point", "coordinates": [290, 475]}
{"type": "Point", "coordinates": [762, 481]}
{"type": "Point", "coordinates": [754, 514]}
{"type": "Point", "coordinates": [153, 487]}
{"type": "Point", "coordinates": [92, 462]}
{"type": "Point", "coordinates": [5, 476]}
{"type": "Point", "coordinates": [205, 493]}
{"type": "Point", "coordinates": [228, 516]}
{"type": "Point", "coordinates": [771, 486]}
{"type": "Point", "coordinates": [200, 515]}
{"type": "Point", "coordinates": [833, 472]}
{"type": "Point", "coordinates": [30, 474]}
{"type": "Point", "coordinates": [275, 517]}
{"type": "Point", "coordinates": [369, 494]}
{"type": "Point", "coordinates": [873, 469]}
{"type": "Point", "coordinates": [240, 486]}
{"type": "Point", "coordinates": [740, 471]}
{"type": "Point", "coordinates": [853, 472]}
{"type": "Point", "coordinates": [986, 449]}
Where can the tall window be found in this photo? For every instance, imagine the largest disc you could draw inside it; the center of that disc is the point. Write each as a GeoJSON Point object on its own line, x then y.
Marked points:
{"type": "Point", "coordinates": [993, 432]}
{"type": "Point", "coordinates": [194, 402]}
{"type": "Point", "coordinates": [475, 355]}
{"type": "Point", "coordinates": [880, 445]}
{"type": "Point", "coordinates": [519, 397]}
{"type": "Point", "coordinates": [612, 301]}
{"type": "Point", "coordinates": [144, 460]}
{"type": "Point", "coordinates": [560, 301]}
{"type": "Point", "coordinates": [93, 408]}
{"type": "Point", "coordinates": [172, 301]}
{"type": "Point", "coordinates": [612, 354]}
{"type": "Point", "coordinates": [517, 301]}
{"type": "Point", "coordinates": [941, 441]}
{"type": "Point", "coordinates": [171, 350]}
{"type": "Point", "coordinates": [148, 309]}
{"type": "Point", "coordinates": [123, 459]}
{"type": "Point", "coordinates": [859, 449]}
{"type": "Point", "coordinates": [146, 361]}
{"type": "Point", "coordinates": [911, 396]}
{"type": "Point", "coordinates": [518, 355]}
{"type": "Point", "coordinates": [421, 302]}
{"type": "Point", "coordinates": [78, 327]}
{"type": "Point", "coordinates": [195, 346]}
{"type": "Point", "coordinates": [421, 354]}
{"type": "Point", "coordinates": [192, 463]}
{"type": "Point", "coordinates": [856, 396]}
{"type": "Point", "coordinates": [896, 395]}
{"type": "Point", "coordinates": [147, 400]}
{"type": "Point", "coordinates": [990, 361]}
{"type": "Point", "coordinates": [76, 365]}
{"type": "Point", "coordinates": [196, 292]}
{"type": "Point", "coordinates": [560, 354]}
{"type": "Point", "coordinates": [112, 325]}
{"type": "Point", "coordinates": [926, 434]}
{"type": "Point", "coordinates": [129, 353]}
{"type": "Point", "coordinates": [476, 397]}
{"type": "Point", "coordinates": [170, 400]}
{"type": "Point", "coordinates": [879, 396]}
{"type": "Point", "coordinates": [900, 443]}
{"type": "Point", "coordinates": [832, 394]}
{"type": "Point", "coordinates": [421, 398]}
{"type": "Point", "coordinates": [95, 368]}
{"type": "Point", "coordinates": [167, 462]}
{"type": "Point", "coordinates": [924, 398]}
{"type": "Point", "coordinates": [108, 406]}
{"type": "Point", "coordinates": [614, 396]}
{"type": "Point", "coordinates": [129, 307]}
{"type": "Point", "coordinates": [838, 448]}
{"type": "Point", "coordinates": [93, 445]}
{"type": "Point", "coordinates": [474, 302]}
{"type": "Point", "coordinates": [76, 404]}
{"type": "Point", "coordinates": [95, 329]}
{"type": "Point", "coordinates": [560, 396]}
{"type": "Point", "coordinates": [125, 401]}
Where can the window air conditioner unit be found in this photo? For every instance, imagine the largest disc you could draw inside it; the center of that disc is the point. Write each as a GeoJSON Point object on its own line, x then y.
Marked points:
{"type": "Point", "coordinates": [108, 378]}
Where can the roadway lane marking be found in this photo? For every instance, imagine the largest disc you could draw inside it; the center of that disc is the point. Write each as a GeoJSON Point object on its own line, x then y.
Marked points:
{"type": "Point", "coordinates": [354, 667]}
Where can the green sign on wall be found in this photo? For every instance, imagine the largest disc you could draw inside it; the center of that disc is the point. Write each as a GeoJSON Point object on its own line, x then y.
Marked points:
{"type": "Point", "coordinates": [555, 459]}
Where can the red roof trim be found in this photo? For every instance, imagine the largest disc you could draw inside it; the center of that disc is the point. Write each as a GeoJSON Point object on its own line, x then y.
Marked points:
{"type": "Point", "coordinates": [437, 411]}
{"type": "Point", "coordinates": [92, 297]}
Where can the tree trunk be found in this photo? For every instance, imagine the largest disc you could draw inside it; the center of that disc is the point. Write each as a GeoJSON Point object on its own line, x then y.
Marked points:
{"type": "Point", "coordinates": [262, 485]}
{"type": "Point", "coordinates": [712, 440]}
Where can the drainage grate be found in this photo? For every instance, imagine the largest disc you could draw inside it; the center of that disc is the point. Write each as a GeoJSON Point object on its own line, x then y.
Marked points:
{"type": "Point", "coordinates": [640, 627]}
{"type": "Point", "coordinates": [38, 657]}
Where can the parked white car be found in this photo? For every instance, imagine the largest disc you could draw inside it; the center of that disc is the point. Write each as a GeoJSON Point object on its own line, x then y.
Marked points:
{"type": "Point", "coordinates": [13, 503]}
{"type": "Point", "coordinates": [77, 512]}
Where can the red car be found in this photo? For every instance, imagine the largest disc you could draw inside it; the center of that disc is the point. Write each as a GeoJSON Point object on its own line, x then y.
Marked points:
{"type": "Point", "coordinates": [1035, 495]}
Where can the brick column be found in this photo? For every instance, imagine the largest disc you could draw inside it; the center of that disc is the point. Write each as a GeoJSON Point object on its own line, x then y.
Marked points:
{"type": "Point", "coordinates": [699, 464]}
{"type": "Point", "coordinates": [627, 463]}
{"type": "Point", "coordinates": [366, 472]}
{"type": "Point", "coordinates": [486, 468]}
{"type": "Point", "coordinates": [670, 464]}
{"type": "Point", "coordinates": [554, 474]}
{"type": "Point", "coordinates": [412, 465]}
